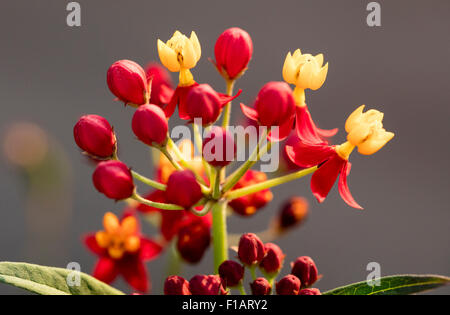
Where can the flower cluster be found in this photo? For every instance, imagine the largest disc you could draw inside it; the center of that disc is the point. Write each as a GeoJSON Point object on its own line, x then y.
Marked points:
{"type": "Point", "coordinates": [191, 194]}
{"type": "Point", "coordinates": [252, 254]}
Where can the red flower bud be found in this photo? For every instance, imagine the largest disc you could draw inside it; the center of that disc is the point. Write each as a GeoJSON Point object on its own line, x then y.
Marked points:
{"type": "Point", "coordinates": [274, 104]}
{"type": "Point", "coordinates": [219, 148]}
{"type": "Point", "coordinates": [183, 189]}
{"type": "Point", "coordinates": [128, 82]}
{"type": "Point", "coordinates": [305, 269]}
{"type": "Point", "coordinates": [250, 204]}
{"type": "Point", "coordinates": [274, 107]}
{"type": "Point", "coordinates": [293, 212]}
{"type": "Point", "coordinates": [161, 84]}
{"type": "Point", "coordinates": [202, 102]}
{"type": "Point", "coordinates": [206, 285]}
{"type": "Point", "coordinates": [94, 135]}
{"type": "Point", "coordinates": [260, 287]}
{"type": "Point", "coordinates": [176, 285]}
{"type": "Point", "coordinates": [251, 249]}
{"type": "Point", "coordinates": [150, 124]}
{"type": "Point", "coordinates": [289, 285]}
{"type": "Point", "coordinates": [193, 240]}
{"type": "Point", "coordinates": [273, 261]}
{"type": "Point", "coordinates": [309, 292]}
{"type": "Point", "coordinates": [231, 273]}
{"type": "Point", "coordinates": [233, 50]}
{"type": "Point", "coordinates": [114, 179]}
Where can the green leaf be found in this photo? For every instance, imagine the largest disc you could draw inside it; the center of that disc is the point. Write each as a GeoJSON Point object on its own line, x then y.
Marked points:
{"type": "Point", "coordinates": [51, 281]}
{"type": "Point", "coordinates": [393, 285]}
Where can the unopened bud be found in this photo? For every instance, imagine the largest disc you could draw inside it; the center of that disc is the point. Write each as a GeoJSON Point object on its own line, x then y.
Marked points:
{"type": "Point", "coordinates": [114, 179]}
{"type": "Point", "coordinates": [128, 82]}
{"type": "Point", "coordinates": [231, 273]}
{"type": "Point", "coordinates": [183, 189]}
{"type": "Point", "coordinates": [176, 285]}
{"type": "Point", "coordinates": [206, 285]}
{"type": "Point", "coordinates": [305, 269]}
{"type": "Point", "coordinates": [289, 285]}
{"type": "Point", "coordinates": [273, 261]}
{"type": "Point", "coordinates": [260, 286]}
{"type": "Point", "coordinates": [94, 135]}
{"type": "Point", "coordinates": [251, 249]}
{"type": "Point", "coordinates": [150, 125]}
{"type": "Point", "coordinates": [311, 291]}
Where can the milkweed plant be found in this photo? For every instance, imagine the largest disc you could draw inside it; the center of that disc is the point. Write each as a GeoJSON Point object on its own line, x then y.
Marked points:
{"type": "Point", "coordinates": [200, 182]}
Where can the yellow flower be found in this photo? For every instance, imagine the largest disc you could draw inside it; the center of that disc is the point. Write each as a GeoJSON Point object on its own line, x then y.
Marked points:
{"type": "Point", "coordinates": [179, 52]}
{"type": "Point", "coordinates": [119, 237]}
{"type": "Point", "coordinates": [305, 71]}
{"type": "Point", "coordinates": [365, 130]}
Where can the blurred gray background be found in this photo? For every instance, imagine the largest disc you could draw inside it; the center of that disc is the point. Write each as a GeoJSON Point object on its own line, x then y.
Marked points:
{"type": "Point", "coordinates": [51, 74]}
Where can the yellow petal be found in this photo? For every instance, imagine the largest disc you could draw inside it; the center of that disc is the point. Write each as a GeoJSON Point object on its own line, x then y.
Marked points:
{"type": "Point", "coordinates": [319, 59]}
{"type": "Point", "coordinates": [373, 117]}
{"type": "Point", "coordinates": [132, 244]}
{"type": "Point", "coordinates": [358, 134]}
{"type": "Point", "coordinates": [129, 226]}
{"type": "Point", "coordinates": [289, 69]}
{"type": "Point", "coordinates": [353, 119]}
{"type": "Point", "coordinates": [102, 238]}
{"type": "Point", "coordinates": [375, 142]}
{"type": "Point", "coordinates": [115, 252]}
{"type": "Point", "coordinates": [177, 34]}
{"type": "Point", "coordinates": [297, 54]}
{"type": "Point", "coordinates": [305, 76]}
{"type": "Point", "coordinates": [196, 43]}
{"type": "Point", "coordinates": [168, 57]}
{"type": "Point", "coordinates": [110, 222]}
{"type": "Point", "coordinates": [319, 79]}
{"type": "Point", "coordinates": [189, 56]}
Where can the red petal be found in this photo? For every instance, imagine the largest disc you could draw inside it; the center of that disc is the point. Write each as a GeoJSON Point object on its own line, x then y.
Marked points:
{"type": "Point", "coordinates": [327, 133]}
{"type": "Point", "coordinates": [149, 249]}
{"type": "Point", "coordinates": [307, 155]}
{"type": "Point", "coordinates": [306, 129]}
{"type": "Point", "coordinates": [283, 131]}
{"type": "Point", "coordinates": [165, 94]}
{"type": "Point", "coordinates": [170, 223]}
{"type": "Point", "coordinates": [182, 101]}
{"type": "Point", "coordinates": [135, 273]}
{"type": "Point", "coordinates": [249, 112]}
{"type": "Point", "coordinates": [170, 107]}
{"type": "Point", "coordinates": [106, 270]}
{"type": "Point", "coordinates": [224, 99]}
{"type": "Point", "coordinates": [343, 187]}
{"type": "Point", "coordinates": [323, 179]}
{"type": "Point", "coordinates": [91, 244]}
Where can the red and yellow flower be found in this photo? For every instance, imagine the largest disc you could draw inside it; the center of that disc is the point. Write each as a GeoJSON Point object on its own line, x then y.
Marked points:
{"type": "Point", "coordinates": [306, 71]}
{"type": "Point", "coordinates": [365, 131]}
{"type": "Point", "coordinates": [122, 250]}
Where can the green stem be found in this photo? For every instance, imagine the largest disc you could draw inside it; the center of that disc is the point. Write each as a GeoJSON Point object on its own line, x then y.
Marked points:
{"type": "Point", "coordinates": [205, 209]}
{"type": "Point", "coordinates": [159, 205]}
{"type": "Point", "coordinates": [269, 183]}
{"type": "Point", "coordinates": [241, 289]}
{"type": "Point", "coordinates": [254, 157]}
{"type": "Point", "coordinates": [169, 156]}
{"type": "Point", "coordinates": [199, 144]}
{"type": "Point", "coordinates": [148, 181]}
{"type": "Point", "coordinates": [173, 147]}
{"type": "Point", "coordinates": [216, 188]}
{"type": "Point", "coordinates": [227, 110]}
{"type": "Point", "coordinates": [219, 234]}
{"type": "Point", "coordinates": [174, 263]}
{"type": "Point", "coordinates": [253, 272]}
